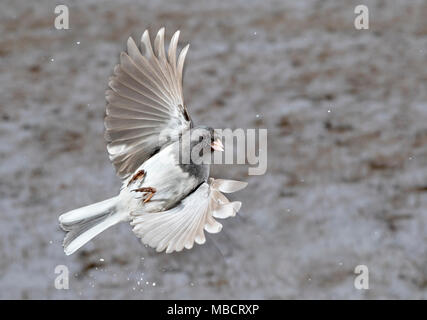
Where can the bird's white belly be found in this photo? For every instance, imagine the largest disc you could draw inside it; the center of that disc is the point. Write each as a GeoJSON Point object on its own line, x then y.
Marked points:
{"type": "Point", "coordinates": [169, 180]}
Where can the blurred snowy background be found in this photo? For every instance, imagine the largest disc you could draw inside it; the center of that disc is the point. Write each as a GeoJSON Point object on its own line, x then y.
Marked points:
{"type": "Point", "coordinates": [346, 113]}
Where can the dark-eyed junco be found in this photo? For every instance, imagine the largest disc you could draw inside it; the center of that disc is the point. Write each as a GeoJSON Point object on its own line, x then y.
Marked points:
{"type": "Point", "coordinates": [168, 201]}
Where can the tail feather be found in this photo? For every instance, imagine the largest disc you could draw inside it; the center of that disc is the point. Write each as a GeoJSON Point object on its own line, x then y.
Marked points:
{"type": "Point", "coordinates": [89, 211]}
{"type": "Point", "coordinates": [85, 223]}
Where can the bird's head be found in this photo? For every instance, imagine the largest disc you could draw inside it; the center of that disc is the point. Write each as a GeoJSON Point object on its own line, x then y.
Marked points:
{"type": "Point", "coordinates": [207, 137]}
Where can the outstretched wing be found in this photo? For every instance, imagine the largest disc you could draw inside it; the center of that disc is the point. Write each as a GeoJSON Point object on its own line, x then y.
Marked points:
{"type": "Point", "coordinates": [145, 106]}
{"type": "Point", "coordinates": [184, 224]}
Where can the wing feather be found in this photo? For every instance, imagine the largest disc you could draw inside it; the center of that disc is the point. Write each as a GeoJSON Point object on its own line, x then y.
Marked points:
{"type": "Point", "coordinates": [145, 103]}
{"type": "Point", "coordinates": [122, 113]}
{"type": "Point", "coordinates": [184, 225]}
{"type": "Point", "coordinates": [116, 101]}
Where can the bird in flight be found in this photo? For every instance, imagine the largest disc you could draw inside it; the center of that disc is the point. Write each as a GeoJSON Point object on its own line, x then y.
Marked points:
{"type": "Point", "coordinates": [167, 195]}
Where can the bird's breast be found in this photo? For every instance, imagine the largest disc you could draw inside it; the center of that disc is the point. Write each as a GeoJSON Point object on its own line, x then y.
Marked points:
{"type": "Point", "coordinates": [170, 181]}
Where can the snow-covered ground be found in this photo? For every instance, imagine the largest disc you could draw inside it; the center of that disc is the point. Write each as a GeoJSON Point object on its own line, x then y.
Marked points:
{"type": "Point", "coordinates": [346, 113]}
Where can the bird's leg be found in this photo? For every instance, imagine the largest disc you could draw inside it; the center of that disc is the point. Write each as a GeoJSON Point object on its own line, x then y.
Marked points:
{"type": "Point", "coordinates": [139, 175]}
{"type": "Point", "coordinates": [151, 191]}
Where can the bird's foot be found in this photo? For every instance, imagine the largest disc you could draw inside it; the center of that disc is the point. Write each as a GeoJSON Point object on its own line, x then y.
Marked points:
{"type": "Point", "coordinates": [151, 191]}
{"type": "Point", "coordinates": [139, 175]}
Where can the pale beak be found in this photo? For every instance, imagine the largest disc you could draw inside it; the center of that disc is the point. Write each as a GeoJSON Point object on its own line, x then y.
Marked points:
{"type": "Point", "coordinates": [217, 145]}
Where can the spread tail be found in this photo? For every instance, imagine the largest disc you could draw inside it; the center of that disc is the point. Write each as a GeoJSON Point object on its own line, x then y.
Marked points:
{"type": "Point", "coordinates": [85, 223]}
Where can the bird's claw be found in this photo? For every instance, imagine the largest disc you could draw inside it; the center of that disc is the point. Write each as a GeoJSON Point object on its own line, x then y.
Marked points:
{"type": "Point", "coordinates": [139, 175]}
{"type": "Point", "coordinates": [150, 190]}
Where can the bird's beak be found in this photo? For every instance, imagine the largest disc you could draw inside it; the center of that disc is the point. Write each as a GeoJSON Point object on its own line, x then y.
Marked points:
{"type": "Point", "coordinates": [217, 145]}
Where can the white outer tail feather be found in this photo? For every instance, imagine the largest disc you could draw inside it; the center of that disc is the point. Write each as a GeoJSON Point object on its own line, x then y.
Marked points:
{"type": "Point", "coordinates": [85, 223]}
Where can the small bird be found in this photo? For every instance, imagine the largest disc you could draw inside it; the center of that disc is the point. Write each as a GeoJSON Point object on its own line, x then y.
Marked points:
{"type": "Point", "coordinates": [169, 202]}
